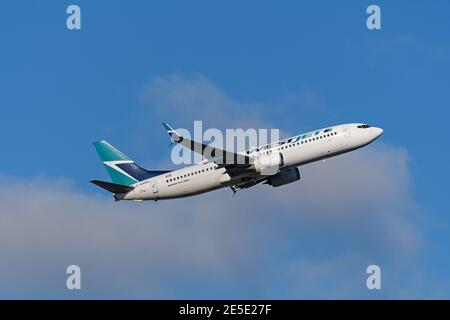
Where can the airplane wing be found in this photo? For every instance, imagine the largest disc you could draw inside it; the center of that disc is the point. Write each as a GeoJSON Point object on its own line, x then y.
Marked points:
{"type": "Point", "coordinates": [219, 156]}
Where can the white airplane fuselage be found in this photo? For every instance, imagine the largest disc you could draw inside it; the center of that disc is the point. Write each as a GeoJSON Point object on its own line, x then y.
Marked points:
{"type": "Point", "coordinates": [295, 151]}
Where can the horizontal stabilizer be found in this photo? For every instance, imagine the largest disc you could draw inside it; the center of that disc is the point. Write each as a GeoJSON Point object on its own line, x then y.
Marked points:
{"type": "Point", "coordinates": [112, 187]}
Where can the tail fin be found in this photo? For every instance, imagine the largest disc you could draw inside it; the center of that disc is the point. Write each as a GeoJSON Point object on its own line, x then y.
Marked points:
{"type": "Point", "coordinates": [122, 169]}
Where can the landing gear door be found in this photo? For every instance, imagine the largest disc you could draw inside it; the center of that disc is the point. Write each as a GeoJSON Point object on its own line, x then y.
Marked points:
{"type": "Point", "coordinates": [154, 186]}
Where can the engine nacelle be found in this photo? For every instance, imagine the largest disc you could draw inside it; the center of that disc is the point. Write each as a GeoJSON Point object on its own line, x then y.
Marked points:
{"type": "Point", "coordinates": [269, 164]}
{"type": "Point", "coordinates": [284, 177]}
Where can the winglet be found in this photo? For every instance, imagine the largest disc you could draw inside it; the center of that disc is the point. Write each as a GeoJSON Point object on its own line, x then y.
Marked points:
{"type": "Point", "coordinates": [167, 127]}
{"type": "Point", "coordinates": [175, 136]}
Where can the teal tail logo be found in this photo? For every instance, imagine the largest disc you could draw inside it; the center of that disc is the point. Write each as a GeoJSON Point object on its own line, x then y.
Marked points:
{"type": "Point", "coordinates": [113, 160]}
{"type": "Point", "coordinates": [120, 168]}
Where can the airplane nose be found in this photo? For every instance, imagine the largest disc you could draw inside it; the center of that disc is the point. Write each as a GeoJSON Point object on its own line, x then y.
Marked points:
{"type": "Point", "coordinates": [378, 131]}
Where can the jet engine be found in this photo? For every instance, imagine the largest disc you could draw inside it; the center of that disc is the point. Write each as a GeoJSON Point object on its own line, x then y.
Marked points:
{"type": "Point", "coordinates": [284, 177]}
{"type": "Point", "coordinates": [269, 164]}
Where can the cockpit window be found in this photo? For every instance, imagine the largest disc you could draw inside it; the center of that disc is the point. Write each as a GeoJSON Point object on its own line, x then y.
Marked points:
{"type": "Point", "coordinates": [363, 126]}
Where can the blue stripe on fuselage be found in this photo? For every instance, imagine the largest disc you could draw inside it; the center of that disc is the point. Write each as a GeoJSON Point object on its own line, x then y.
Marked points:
{"type": "Point", "coordinates": [140, 173]}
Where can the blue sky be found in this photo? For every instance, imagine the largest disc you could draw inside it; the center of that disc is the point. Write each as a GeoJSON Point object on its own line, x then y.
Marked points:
{"type": "Point", "coordinates": [296, 66]}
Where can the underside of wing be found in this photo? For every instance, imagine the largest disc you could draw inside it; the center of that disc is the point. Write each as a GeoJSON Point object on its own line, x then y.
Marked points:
{"type": "Point", "coordinates": [249, 183]}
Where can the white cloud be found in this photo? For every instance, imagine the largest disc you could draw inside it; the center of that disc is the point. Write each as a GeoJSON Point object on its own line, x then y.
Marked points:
{"type": "Point", "coordinates": [355, 205]}
{"type": "Point", "coordinates": [188, 98]}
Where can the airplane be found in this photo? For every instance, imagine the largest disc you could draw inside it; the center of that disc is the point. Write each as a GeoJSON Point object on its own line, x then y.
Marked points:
{"type": "Point", "coordinates": [275, 164]}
